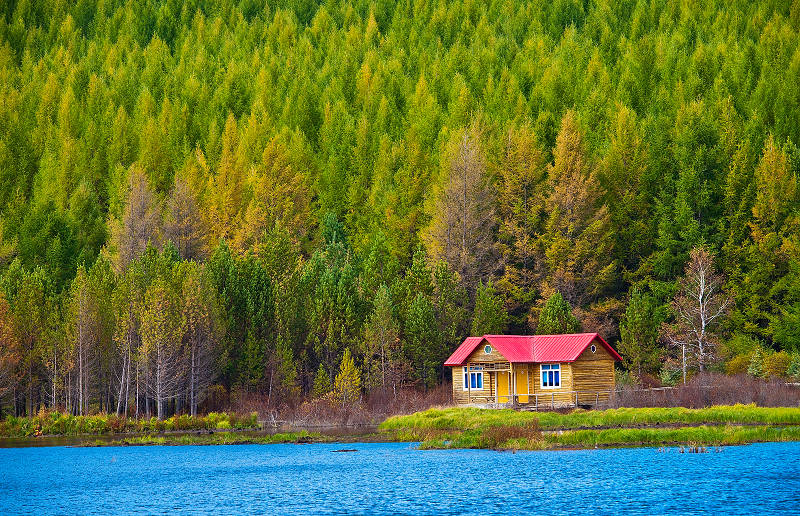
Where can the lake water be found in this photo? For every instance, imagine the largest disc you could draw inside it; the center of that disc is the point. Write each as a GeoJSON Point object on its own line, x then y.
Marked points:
{"type": "Point", "coordinates": [394, 478]}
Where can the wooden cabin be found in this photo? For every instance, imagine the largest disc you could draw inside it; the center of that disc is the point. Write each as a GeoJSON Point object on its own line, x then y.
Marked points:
{"type": "Point", "coordinates": [534, 371]}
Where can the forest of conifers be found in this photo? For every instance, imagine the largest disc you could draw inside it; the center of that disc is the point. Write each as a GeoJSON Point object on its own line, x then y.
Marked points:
{"type": "Point", "coordinates": [302, 196]}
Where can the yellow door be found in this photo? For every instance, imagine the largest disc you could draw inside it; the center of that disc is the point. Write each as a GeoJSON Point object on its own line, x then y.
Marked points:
{"type": "Point", "coordinates": [522, 385]}
{"type": "Point", "coordinates": [502, 387]}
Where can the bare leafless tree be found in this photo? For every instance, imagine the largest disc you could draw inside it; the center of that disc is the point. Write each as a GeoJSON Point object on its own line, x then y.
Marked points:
{"type": "Point", "coordinates": [463, 226]}
{"type": "Point", "coordinates": [9, 349]}
{"type": "Point", "coordinates": [184, 225]}
{"type": "Point", "coordinates": [699, 306]}
{"type": "Point", "coordinates": [127, 339]}
{"type": "Point", "coordinates": [83, 337]}
{"type": "Point", "coordinates": [161, 345]}
{"type": "Point", "coordinates": [140, 220]}
{"type": "Point", "coordinates": [200, 335]}
{"type": "Point", "coordinates": [89, 334]}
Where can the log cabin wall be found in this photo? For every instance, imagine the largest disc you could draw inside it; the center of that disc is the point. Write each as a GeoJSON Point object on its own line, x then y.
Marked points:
{"type": "Point", "coordinates": [560, 394]}
{"type": "Point", "coordinates": [477, 357]}
{"type": "Point", "coordinates": [480, 355]}
{"type": "Point", "coordinates": [589, 374]}
{"type": "Point", "coordinates": [594, 372]}
{"type": "Point", "coordinates": [461, 396]}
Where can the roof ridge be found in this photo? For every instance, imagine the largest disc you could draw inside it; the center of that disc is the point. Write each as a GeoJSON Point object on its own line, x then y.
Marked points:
{"type": "Point", "coordinates": [564, 347]}
{"type": "Point", "coordinates": [567, 334]}
{"type": "Point", "coordinates": [534, 335]}
{"type": "Point", "coordinates": [582, 334]}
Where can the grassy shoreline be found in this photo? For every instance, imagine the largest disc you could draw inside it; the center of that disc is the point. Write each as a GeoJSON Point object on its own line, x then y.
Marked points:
{"type": "Point", "coordinates": [462, 418]}
{"type": "Point", "coordinates": [507, 429]}
{"type": "Point", "coordinates": [616, 438]}
{"type": "Point", "coordinates": [230, 438]}
{"type": "Point", "coordinates": [217, 438]}
{"type": "Point", "coordinates": [49, 424]}
{"type": "Point", "coordinates": [449, 428]}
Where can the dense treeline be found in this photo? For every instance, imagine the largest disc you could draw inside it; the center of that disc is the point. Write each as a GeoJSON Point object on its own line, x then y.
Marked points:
{"type": "Point", "coordinates": [300, 197]}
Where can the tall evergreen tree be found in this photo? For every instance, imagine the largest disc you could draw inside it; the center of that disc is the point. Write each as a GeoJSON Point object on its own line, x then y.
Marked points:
{"type": "Point", "coordinates": [556, 317]}
{"type": "Point", "coordinates": [462, 229]}
{"type": "Point", "coordinates": [489, 317]}
{"type": "Point", "coordinates": [423, 343]}
{"type": "Point", "coordinates": [381, 341]}
{"type": "Point", "coordinates": [347, 387]}
{"type": "Point", "coordinates": [577, 245]}
{"type": "Point", "coordinates": [639, 332]}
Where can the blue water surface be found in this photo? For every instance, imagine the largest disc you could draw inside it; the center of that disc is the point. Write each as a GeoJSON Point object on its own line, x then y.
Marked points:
{"type": "Point", "coordinates": [397, 479]}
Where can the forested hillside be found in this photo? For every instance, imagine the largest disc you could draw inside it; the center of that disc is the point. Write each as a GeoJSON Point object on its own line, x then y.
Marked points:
{"type": "Point", "coordinates": [302, 196]}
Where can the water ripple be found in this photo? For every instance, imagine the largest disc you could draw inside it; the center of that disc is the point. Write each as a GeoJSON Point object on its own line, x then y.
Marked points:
{"type": "Point", "coordinates": [397, 479]}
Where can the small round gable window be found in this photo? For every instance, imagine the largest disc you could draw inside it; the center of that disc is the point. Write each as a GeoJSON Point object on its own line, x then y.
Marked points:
{"type": "Point", "coordinates": [487, 349]}
{"type": "Point", "coordinates": [593, 348]}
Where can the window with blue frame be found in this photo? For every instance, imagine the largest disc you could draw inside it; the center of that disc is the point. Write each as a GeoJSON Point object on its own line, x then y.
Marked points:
{"type": "Point", "coordinates": [551, 376]}
{"type": "Point", "coordinates": [473, 379]}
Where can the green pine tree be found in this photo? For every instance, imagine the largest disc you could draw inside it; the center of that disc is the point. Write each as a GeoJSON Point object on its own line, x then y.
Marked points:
{"type": "Point", "coordinates": [490, 315]}
{"type": "Point", "coordinates": [639, 334]}
{"type": "Point", "coordinates": [756, 367]}
{"type": "Point", "coordinates": [556, 317]}
{"type": "Point", "coordinates": [322, 383]}
{"type": "Point", "coordinates": [347, 387]}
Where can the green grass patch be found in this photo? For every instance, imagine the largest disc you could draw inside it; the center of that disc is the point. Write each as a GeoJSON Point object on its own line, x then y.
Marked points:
{"type": "Point", "coordinates": [468, 417]}
{"type": "Point", "coordinates": [56, 423]}
{"type": "Point", "coordinates": [509, 429]}
{"type": "Point", "coordinates": [696, 435]}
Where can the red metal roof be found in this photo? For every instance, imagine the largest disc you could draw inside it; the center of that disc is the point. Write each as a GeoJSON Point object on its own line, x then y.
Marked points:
{"type": "Point", "coordinates": [463, 351]}
{"type": "Point", "coordinates": [532, 348]}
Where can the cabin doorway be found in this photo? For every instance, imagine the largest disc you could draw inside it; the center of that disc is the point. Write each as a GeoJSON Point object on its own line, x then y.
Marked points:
{"type": "Point", "coordinates": [522, 384]}
{"type": "Point", "coordinates": [503, 387]}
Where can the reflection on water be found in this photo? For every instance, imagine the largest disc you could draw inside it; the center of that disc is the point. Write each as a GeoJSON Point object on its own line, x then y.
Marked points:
{"type": "Point", "coordinates": [395, 478]}
{"type": "Point", "coordinates": [59, 440]}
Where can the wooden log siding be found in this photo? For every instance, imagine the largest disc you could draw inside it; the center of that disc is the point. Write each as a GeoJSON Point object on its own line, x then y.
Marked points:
{"type": "Point", "coordinates": [560, 396]}
{"type": "Point", "coordinates": [461, 396]}
{"type": "Point", "coordinates": [587, 380]}
{"type": "Point", "coordinates": [479, 356]}
{"type": "Point", "coordinates": [593, 373]}
{"type": "Point", "coordinates": [491, 362]}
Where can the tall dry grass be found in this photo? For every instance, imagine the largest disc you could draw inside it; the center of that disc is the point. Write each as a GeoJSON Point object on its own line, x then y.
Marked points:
{"type": "Point", "coordinates": [707, 389]}
{"type": "Point", "coordinates": [370, 410]}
